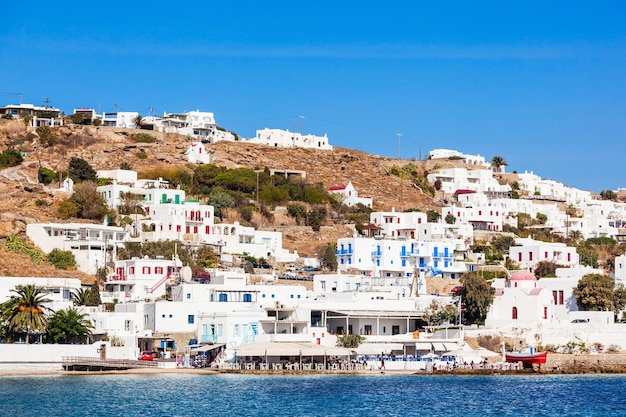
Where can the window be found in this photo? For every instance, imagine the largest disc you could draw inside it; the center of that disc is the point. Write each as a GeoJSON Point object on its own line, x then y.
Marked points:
{"type": "Point", "coordinates": [561, 297]}
{"type": "Point", "coordinates": [514, 313]}
{"type": "Point", "coordinates": [237, 330]}
{"type": "Point", "coordinates": [519, 257]}
{"type": "Point", "coordinates": [223, 298]}
{"type": "Point", "coordinates": [247, 298]}
{"type": "Point", "coordinates": [190, 319]}
{"type": "Point", "coordinates": [323, 285]}
{"type": "Point", "coordinates": [145, 270]}
{"type": "Point", "coordinates": [127, 325]}
{"type": "Point", "coordinates": [188, 296]}
{"type": "Point", "coordinates": [545, 313]}
{"type": "Point", "coordinates": [207, 229]}
{"type": "Point", "coordinates": [530, 256]}
{"type": "Point", "coordinates": [158, 269]}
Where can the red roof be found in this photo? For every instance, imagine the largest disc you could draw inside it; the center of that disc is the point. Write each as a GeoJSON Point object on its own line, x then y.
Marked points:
{"type": "Point", "coordinates": [522, 276]}
{"type": "Point", "coordinates": [337, 188]}
{"type": "Point", "coordinates": [464, 192]}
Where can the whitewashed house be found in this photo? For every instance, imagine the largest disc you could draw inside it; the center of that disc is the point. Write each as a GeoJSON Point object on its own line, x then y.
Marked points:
{"type": "Point", "coordinates": [528, 253]}
{"type": "Point", "coordinates": [349, 196]}
{"type": "Point", "coordinates": [90, 243]}
{"type": "Point", "coordinates": [452, 154]}
{"type": "Point", "coordinates": [141, 279]}
{"type": "Point", "coordinates": [286, 139]}
{"type": "Point", "coordinates": [479, 217]}
{"type": "Point", "coordinates": [460, 181]}
{"type": "Point", "coordinates": [57, 290]}
{"type": "Point", "coordinates": [120, 119]}
{"type": "Point", "coordinates": [197, 154]}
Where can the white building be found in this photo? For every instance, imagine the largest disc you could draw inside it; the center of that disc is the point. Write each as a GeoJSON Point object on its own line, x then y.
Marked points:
{"type": "Point", "coordinates": [452, 154]}
{"type": "Point", "coordinates": [528, 253]}
{"type": "Point", "coordinates": [90, 243]}
{"type": "Point", "coordinates": [196, 124]}
{"type": "Point", "coordinates": [197, 154]}
{"type": "Point", "coordinates": [141, 279]}
{"type": "Point", "coordinates": [120, 119]}
{"type": "Point", "coordinates": [398, 259]}
{"type": "Point", "coordinates": [620, 269]}
{"type": "Point", "coordinates": [286, 139]}
{"type": "Point", "coordinates": [479, 217]}
{"type": "Point", "coordinates": [461, 181]}
{"type": "Point", "coordinates": [41, 115]}
{"type": "Point", "coordinates": [538, 187]}
{"type": "Point", "coordinates": [349, 196]}
{"type": "Point", "coordinates": [397, 224]}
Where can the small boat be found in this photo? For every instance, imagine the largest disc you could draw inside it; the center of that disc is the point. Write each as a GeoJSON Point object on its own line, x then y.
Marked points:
{"type": "Point", "coordinates": [528, 358]}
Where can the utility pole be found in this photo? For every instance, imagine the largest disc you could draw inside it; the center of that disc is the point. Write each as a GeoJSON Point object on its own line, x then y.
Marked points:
{"type": "Point", "coordinates": [301, 124]}
{"type": "Point", "coordinates": [399, 170]}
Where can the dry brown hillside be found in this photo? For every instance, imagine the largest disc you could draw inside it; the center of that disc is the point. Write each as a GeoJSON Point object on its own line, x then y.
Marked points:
{"type": "Point", "coordinates": [107, 148]}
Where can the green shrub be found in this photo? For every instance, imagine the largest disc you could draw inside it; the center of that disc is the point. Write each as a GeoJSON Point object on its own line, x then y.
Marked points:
{"type": "Point", "coordinates": [144, 138]}
{"type": "Point", "coordinates": [141, 155]}
{"type": "Point", "coordinates": [67, 209]}
{"type": "Point", "coordinates": [10, 158]}
{"type": "Point", "coordinates": [62, 259]}
{"type": "Point", "coordinates": [46, 175]}
{"type": "Point", "coordinates": [18, 245]}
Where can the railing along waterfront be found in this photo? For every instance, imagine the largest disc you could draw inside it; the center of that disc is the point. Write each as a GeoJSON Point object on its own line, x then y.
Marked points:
{"type": "Point", "coordinates": [90, 363]}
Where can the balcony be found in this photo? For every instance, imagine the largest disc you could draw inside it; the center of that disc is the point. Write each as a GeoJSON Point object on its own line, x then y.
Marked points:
{"type": "Point", "coordinates": [377, 254]}
{"type": "Point", "coordinates": [343, 252]}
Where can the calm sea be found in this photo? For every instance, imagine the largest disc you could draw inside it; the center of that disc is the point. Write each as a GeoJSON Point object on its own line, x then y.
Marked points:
{"type": "Point", "coordinates": [316, 395]}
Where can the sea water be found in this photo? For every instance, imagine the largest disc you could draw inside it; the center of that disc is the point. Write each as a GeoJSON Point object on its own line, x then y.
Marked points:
{"type": "Point", "coordinates": [313, 395]}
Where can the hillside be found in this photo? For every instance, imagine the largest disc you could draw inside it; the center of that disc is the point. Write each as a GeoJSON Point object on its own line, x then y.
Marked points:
{"type": "Point", "coordinates": [24, 201]}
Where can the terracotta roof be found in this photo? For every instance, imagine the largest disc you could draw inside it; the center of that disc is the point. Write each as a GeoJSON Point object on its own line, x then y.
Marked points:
{"type": "Point", "coordinates": [337, 188]}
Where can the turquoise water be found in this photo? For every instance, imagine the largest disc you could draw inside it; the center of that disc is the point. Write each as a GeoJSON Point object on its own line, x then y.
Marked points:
{"type": "Point", "coordinates": [315, 395]}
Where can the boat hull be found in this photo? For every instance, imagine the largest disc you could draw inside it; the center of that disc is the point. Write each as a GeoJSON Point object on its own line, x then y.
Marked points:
{"type": "Point", "coordinates": [527, 358]}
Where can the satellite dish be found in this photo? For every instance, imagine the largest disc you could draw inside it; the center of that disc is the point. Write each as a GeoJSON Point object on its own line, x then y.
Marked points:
{"type": "Point", "coordinates": [185, 274]}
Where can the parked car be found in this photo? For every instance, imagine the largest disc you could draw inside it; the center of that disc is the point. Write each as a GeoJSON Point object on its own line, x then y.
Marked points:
{"type": "Point", "coordinates": [308, 269]}
{"type": "Point", "coordinates": [147, 355]}
{"type": "Point", "coordinates": [580, 321]}
{"type": "Point", "coordinates": [456, 289]}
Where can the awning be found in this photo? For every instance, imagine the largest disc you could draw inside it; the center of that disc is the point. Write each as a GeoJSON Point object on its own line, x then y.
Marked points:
{"type": "Point", "coordinates": [439, 347]}
{"type": "Point", "coordinates": [423, 346]}
{"type": "Point", "coordinates": [206, 348]}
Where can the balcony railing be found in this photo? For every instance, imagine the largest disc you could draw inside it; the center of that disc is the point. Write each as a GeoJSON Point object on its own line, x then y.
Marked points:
{"type": "Point", "coordinates": [343, 252]}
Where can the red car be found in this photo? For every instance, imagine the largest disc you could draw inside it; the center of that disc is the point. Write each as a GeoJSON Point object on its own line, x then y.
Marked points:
{"type": "Point", "coordinates": [456, 289]}
{"type": "Point", "coordinates": [147, 355]}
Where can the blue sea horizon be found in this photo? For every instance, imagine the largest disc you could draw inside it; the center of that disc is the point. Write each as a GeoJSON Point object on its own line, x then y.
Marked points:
{"type": "Point", "coordinates": [312, 395]}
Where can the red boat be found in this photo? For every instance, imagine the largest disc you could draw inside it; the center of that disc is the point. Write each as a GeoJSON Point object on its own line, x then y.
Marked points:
{"type": "Point", "coordinates": [527, 358]}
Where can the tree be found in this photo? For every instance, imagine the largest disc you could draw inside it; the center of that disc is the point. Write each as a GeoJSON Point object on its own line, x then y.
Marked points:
{"type": "Point", "coordinates": [437, 184]}
{"type": "Point", "coordinates": [437, 313]}
{"type": "Point", "coordinates": [450, 218]}
{"type": "Point", "coordinates": [46, 175]}
{"type": "Point", "coordinates": [46, 136]}
{"type": "Point", "coordinates": [25, 312]}
{"type": "Point", "coordinates": [297, 211]}
{"type": "Point", "coordinates": [477, 295]}
{"type": "Point", "coordinates": [497, 162]}
{"type": "Point", "coordinates": [329, 256]}
{"type": "Point", "coordinates": [220, 199]}
{"type": "Point", "coordinates": [93, 298]}
{"type": "Point", "coordinates": [91, 203]}
{"type": "Point", "coordinates": [80, 170]}
{"type": "Point", "coordinates": [80, 296]}
{"type": "Point", "coordinates": [596, 292]}
{"type": "Point", "coordinates": [545, 269]}
{"type": "Point", "coordinates": [138, 120]}
{"type": "Point", "coordinates": [69, 326]}
{"type": "Point", "coordinates": [608, 195]}
{"type": "Point", "coordinates": [432, 216]}
{"type": "Point", "coordinates": [315, 217]}
{"type": "Point", "coordinates": [350, 340]}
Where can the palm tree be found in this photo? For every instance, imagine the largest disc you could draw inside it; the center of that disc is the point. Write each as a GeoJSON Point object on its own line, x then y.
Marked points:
{"type": "Point", "coordinates": [69, 325]}
{"type": "Point", "coordinates": [25, 311]}
{"type": "Point", "coordinates": [497, 162]}
{"type": "Point", "coordinates": [80, 296]}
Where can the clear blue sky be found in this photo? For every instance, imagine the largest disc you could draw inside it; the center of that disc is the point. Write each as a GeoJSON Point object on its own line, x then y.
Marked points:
{"type": "Point", "coordinates": [542, 84]}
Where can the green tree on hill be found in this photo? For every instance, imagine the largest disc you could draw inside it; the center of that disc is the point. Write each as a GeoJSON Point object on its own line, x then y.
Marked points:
{"type": "Point", "coordinates": [80, 170]}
